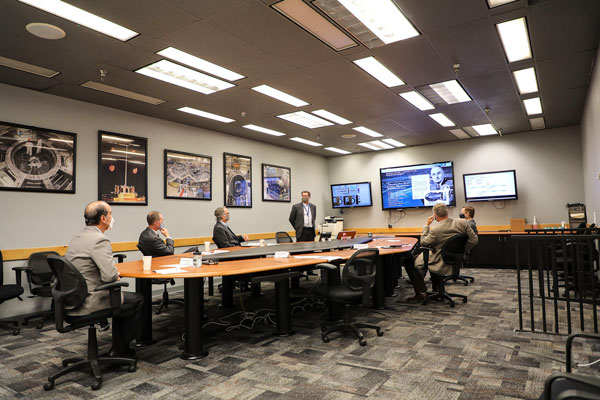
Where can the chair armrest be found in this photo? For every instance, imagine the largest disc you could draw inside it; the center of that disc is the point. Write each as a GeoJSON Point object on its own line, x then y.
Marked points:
{"type": "Point", "coordinates": [573, 336]}
{"type": "Point", "coordinates": [111, 285]}
{"type": "Point", "coordinates": [114, 289]}
{"type": "Point", "coordinates": [327, 266]}
{"type": "Point", "coordinates": [18, 271]}
{"type": "Point", "coordinates": [586, 380]}
{"type": "Point", "coordinates": [120, 257]}
{"type": "Point", "coordinates": [577, 395]}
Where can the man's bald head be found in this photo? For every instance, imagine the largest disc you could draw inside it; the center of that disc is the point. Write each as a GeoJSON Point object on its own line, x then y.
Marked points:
{"type": "Point", "coordinates": [95, 211]}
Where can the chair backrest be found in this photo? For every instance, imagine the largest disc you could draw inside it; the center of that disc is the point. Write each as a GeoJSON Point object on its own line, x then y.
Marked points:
{"type": "Point", "coordinates": [40, 272]}
{"type": "Point", "coordinates": [144, 252]}
{"type": "Point", "coordinates": [192, 250]}
{"type": "Point", "coordinates": [346, 235]}
{"type": "Point", "coordinates": [360, 267]}
{"type": "Point", "coordinates": [69, 291]}
{"type": "Point", "coordinates": [283, 237]}
{"type": "Point", "coordinates": [453, 251]}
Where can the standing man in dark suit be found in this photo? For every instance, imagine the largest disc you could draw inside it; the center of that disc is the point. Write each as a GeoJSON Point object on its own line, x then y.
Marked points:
{"type": "Point", "coordinates": [303, 217]}
{"type": "Point", "coordinates": [91, 253]}
{"type": "Point", "coordinates": [223, 236]}
{"type": "Point", "coordinates": [150, 242]}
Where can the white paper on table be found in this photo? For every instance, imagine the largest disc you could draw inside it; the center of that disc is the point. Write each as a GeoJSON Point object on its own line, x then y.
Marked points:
{"type": "Point", "coordinates": [186, 261]}
{"type": "Point", "coordinates": [169, 271]}
{"type": "Point", "coordinates": [328, 258]}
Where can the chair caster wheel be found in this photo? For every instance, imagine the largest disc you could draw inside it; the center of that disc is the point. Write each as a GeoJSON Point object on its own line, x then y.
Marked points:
{"type": "Point", "coordinates": [451, 304]}
{"type": "Point", "coordinates": [16, 331]}
{"type": "Point", "coordinates": [48, 386]}
{"type": "Point", "coordinates": [40, 325]}
{"type": "Point", "coordinates": [97, 385]}
{"type": "Point", "coordinates": [379, 332]}
{"type": "Point", "coordinates": [132, 368]}
{"type": "Point", "coordinates": [326, 339]}
{"type": "Point", "coordinates": [362, 342]}
{"type": "Point", "coordinates": [466, 283]}
{"type": "Point", "coordinates": [464, 300]}
{"type": "Point", "coordinates": [65, 363]}
{"type": "Point", "coordinates": [157, 312]}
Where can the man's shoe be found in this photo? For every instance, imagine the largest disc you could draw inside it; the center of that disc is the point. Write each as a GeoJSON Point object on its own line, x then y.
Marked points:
{"type": "Point", "coordinates": [128, 353]}
{"type": "Point", "coordinates": [417, 298]}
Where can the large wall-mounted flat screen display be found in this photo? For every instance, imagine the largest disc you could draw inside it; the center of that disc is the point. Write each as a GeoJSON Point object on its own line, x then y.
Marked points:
{"type": "Point", "coordinates": [489, 186]}
{"type": "Point", "coordinates": [421, 185]}
{"type": "Point", "coordinates": [347, 195]}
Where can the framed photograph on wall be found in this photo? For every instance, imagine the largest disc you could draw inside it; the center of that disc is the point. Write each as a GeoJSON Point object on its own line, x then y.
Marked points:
{"type": "Point", "coordinates": [276, 183]}
{"type": "Point", "coordinates": [187, 176]}
{"type": "Point", "coordinates": [122, 169]}
{"type": "Point", "coordinates": [36, 159]}
{"type": "Point", "coordinates": [238, 180]}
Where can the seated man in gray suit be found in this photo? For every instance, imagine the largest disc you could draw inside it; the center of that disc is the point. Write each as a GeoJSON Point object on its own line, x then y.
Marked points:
{"type": "Point", "coordinates": [223, 236]}
{"type": "Point", "coordinates": [150, 242]}
{"type": "Point", "coordinates": [91, 253]}
{"type": "Point", "coordinates": [436, 237]}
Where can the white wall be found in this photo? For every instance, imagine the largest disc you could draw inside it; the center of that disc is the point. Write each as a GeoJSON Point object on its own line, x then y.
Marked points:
{"type": "Point", "coordinates": [590, 125]}
{"type": "Point", "coordinates": [548, 176]}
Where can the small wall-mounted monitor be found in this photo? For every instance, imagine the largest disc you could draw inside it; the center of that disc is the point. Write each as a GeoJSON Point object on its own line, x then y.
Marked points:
{"type": "Point", "coordinates": [489, 186]}
{"type": "Point", "coordinates": [415, 186]}
{"type": "Point", "coordinates": [346, 195]}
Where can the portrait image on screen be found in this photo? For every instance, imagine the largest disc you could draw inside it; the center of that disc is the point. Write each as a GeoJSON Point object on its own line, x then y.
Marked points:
{"type": "Point", "coordinates": [347, 195]}
{"type": "Point", "coordinates": [421, 185]}
{"type": "Point", "coordinates": [488, 186]}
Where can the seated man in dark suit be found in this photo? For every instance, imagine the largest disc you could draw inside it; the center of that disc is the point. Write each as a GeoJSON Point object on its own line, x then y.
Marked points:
{"type": "Point", "coordinates": [223, 236]}
{"type": "Point", "coordinates": [150, 241]}
{"type": "Point", "coordinates": [91, 253]}
{"type": "Point", "coordinates": [436, 237]}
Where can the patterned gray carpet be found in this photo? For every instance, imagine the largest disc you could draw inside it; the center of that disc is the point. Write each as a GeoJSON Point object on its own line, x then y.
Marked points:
{"type": "Point", "coordinates": [429, 351]}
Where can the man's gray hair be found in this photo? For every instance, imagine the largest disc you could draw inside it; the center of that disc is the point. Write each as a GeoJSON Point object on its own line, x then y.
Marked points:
{"type": "Point", "coordinates": [440, 210]}
{"type": "Point", "coordinates": [94, 211]}
{"type": "Point", "coordinates": [219, 212]}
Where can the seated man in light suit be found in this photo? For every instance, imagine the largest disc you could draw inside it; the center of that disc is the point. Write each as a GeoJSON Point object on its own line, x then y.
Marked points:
{"type": "Point", "coordinates": [91, 253]}
{"type": "Point", "coordinates": [223, 236]}
{"type": "Point", "coordinates": [436, 237]}
{"type": "Point", "coordinates": [150, 242]}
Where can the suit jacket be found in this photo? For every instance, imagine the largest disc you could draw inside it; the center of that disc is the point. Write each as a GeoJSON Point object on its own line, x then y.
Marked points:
{"type": "Point", "coordinates": [224, 237]}
{"type": "Point", "coordinates": [297, 217]}
{"type": "Point", "coordinates": [153, 245]}
{"type": "Point", "coordinates": [91, 253]}
{"type": "Point", "coordinates": [437, 236]}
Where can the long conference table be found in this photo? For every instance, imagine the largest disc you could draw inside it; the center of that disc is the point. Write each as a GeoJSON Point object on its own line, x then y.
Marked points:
{"type": "Point", "coordinates": [244, 261]}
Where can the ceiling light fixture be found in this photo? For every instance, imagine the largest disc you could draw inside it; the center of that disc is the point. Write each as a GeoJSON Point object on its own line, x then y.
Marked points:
{"type": "Point", "coordinates": [279, 95]}
{"type": "Point", "coordinates": [367, 131]}
{"type": "Point", "coordinates": [450, 91]}
{"type": "Point", "coordinates": [45, 31]}
{"type": "Point", "coordinates": [32, 69]}
{"type": "Point", "coordinates": [394, 142]}
{"type": "Point", "coordinates": [199, 63]}
{"type": "Point", "coordinates": [332, 117]}
{"type": "Point", "coordinates": [348, 135]}
{"type": "Point", "coordinates": [485, 129]}
{"type": "Point", "coordinates": [537, 123]}
{"type": "Point", "coordinates": [264, 130]}
{"type": "Point", "coordinates": [305, 119]}
{"type": "Point", "coordinates": [369, 146]}
{"type": "Point", "coordinates": [122, 92]}
{"type": "Point", "coordinates": [82, 17]}
{"type": "Point", "coordinates": [336, 150]}
{"type": "Point", "coordinates": [308, 142]}
{"type": "Point", "coordinates": [498, 3]}
{"type": "Point", "coordinates": [533, 106]}
{"type": "Point", "coordinates": [179, 75]}
{"type": "Point", "coordinates": [460, 134]}
{"type": "Point", "coordinates": [515, 39]}
{"type": "Point", "coordinates": [526, 80]}
{"type": "Point", "coordinates": [379, 71]}
{"type": "Point", "coordinates": [205, 114]}
{"type": "Point", "coordinates": [417, 100]}
{"type": "Point", "coordinates": [441, 119]}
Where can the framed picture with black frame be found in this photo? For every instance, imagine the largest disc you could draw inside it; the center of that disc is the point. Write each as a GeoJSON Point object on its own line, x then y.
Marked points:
{"type": "Point", "coordinates": [238, 180]}
{"type": "Point", "coordinates": [36, 159]}
{"type": "Point", "coordinates": [187, 176]}
{"type": "Point", "coordinates": [276, 183]}
{"type": "Point", "coordinates": [122, 169]}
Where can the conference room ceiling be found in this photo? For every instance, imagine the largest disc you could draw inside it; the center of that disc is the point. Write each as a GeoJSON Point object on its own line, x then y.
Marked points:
{"type": "Point", "coordinates": [253, 39]}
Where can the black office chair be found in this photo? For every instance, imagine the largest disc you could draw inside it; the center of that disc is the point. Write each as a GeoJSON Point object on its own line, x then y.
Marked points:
{"type": "Point", "coordinates": [358, 278]}
{"type": "Point", "coordinates": [566, 385]}
{"type": "Point", "coordinates": [283, 237]}
{"type": "Point", "coordinates": [40, 279]}
{"type": "Point", "coordinates": [69, 293]}
{"type": "Point", "coordinates": [9, 292]}
{"type": "Point", "coordinates": [165, 301]}
{"type": "Point", "coordinates": [452, 253]}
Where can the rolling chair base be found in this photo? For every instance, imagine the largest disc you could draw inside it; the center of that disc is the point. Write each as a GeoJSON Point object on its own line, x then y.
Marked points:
{"type": "Point", "coordinates": [14, 326]}
{"type": "Point", "coordinates": [466, 279]}
{"type": "Point", "coordinates": [444, 296]}
{"type": "Point", "coordinates": [347, 325]}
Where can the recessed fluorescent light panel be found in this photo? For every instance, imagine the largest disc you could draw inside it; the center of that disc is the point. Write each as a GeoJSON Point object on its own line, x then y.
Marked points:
{"type": "Point", "coordinates": [303, 15]}
{"type": "Point", "coordinates": [381, 145]}
{"type": "Point", "coordinates": [279, 95]}
{"type": "Point", "coordinates": [394, 142]}
{"type": "Point", "coordinates": [336, 150]}
{"type": "Point", "coordinates": [449, 92]}
{"type": "Point", "coordinates": [417, 100]}
{"type": "Point", "coordinates": [383, 18]}
{"type": "Point", "coordinates": [378, 71]}
{"type": "Point", "coordinates": [84, 18]}
{"type": "Point", "coordinates": [305, 119]}
{"type": "Point", "coordinates": [332, 117]}
{"type": "Point", "coordinates": [460, 134]}
{"type": "Point", "coordinates": [526, 80]}
{"type": "Point", "coordinates": [537, 123]}
{"type": "Point", "coordinates": [498, 3]}
{"type": "Point", "coordinates": [370, 146]}
{"type": "Point", "coordinates": [122, 92]}
{"type": "Point", "coordinates": [442, 119]}
{"type": "Point", "coordinates": [304, 141]}
{"type": "Point", "coordinates": [367, 131]}
{"type": "Point", "coordinates": [264, 130]}
{"type": "Point", "coordinates": [179, 75]}
{"type": "Point", "coordinates": [199, 63]}
{"type": "Point", "coordinates": [515, 39]}
{"type": "Point", "coordinates": [32, 69]}
{"type": "Point", "coordinates": [205, 114]}
{"type": "Point", "coordinates": [533, 106]}
{"type": "Point", "coordinates": [485, 130]}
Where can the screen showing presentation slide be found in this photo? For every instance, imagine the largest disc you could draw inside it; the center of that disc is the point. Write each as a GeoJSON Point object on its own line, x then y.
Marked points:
{"type": "Point", "coordinates": [488, 186]}
{"type": "Point", "coordinates": [351, 195]}
{"type": "Point", "coordinates": [420, 185]}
